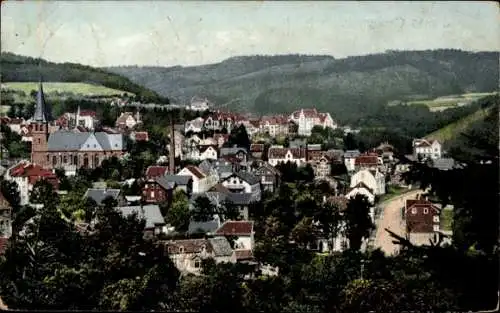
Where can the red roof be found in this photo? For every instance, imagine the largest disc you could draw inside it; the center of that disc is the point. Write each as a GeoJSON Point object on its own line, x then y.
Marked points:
{"type": "Point", "coordinates": [34, 173]}
{"type": "Point", "coordinates": [196, 171]}
{"type": "Point", "coordinates": [141, 136]}
{"type": "Point", "coordinates": [3, 244]}
{"type": "Point", "coordinates": [308, 113]}
{"type": "Point", "coordinates": [256, 147]}
{"type": "Point", "coordinates": [156, 171]}
{"type": "Point", "coordinates": [235, 228]}
{"type": "Point", "coordinates": [242, 255]}
{"type": "Point", "coordinates": [87, 113]}
{"type": "Point", "coordinates": [366, 160]}
{"type": "Point", "coordinates": [280, 153]}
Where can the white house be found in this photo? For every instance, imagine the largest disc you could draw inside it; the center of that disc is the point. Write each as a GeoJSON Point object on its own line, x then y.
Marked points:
{"type": "Point", "coordinates": [194, 126]}
{"type": "Point", "coordinates": [202, 152]}
{"type": "Point", "coordinates": [427, 149]}
{"type": "Point", "coordinates": [127, 119]}
{"type": "Point", "coordinates": [277, 154]}
{"type": "Point", "coordinates": [373, 179]}
{"type": "Point", "coordinates": [306, 119]}
{"type": "Point", "coordinates": [201, 181]}
{"type": "Point", "coordinates": [361, 189]}
{"type": "Point", "coordinates": [242, 182]}
{"type": "Point", "coordinates": [242, 230]}
{"type": "Point", "coordinates": [199, 104]}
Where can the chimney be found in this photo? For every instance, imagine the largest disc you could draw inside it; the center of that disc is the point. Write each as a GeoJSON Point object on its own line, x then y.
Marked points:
{"type": "Point", "coordinates": [171, 162]}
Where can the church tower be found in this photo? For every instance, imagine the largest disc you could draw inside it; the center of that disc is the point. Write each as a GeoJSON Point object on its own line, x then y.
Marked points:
{"type": "Point", "coordinates": [40, 129]}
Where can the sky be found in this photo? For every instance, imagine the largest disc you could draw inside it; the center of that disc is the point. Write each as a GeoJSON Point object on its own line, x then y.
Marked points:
{"type": "Point", "coordinates": [169, 33]}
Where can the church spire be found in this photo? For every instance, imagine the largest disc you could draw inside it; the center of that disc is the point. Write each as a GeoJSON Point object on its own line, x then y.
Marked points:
{"type": "Point", "coordinates": [42, 109]}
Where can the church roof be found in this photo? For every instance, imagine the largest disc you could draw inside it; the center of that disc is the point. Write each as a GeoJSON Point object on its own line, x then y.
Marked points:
{"type": "Point", "coordinates": [73, 141]}
{"type": "Point", "coordinates": [43, 111]}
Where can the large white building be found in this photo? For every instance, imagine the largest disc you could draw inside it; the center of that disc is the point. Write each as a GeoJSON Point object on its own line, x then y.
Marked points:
{"type": "Point", "coordinates": [427, 149]}
{"type": "Point", "coordinates": [306, 119]}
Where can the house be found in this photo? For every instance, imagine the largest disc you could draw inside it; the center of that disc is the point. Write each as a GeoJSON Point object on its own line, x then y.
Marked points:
{"type": "Point", "coordinates": [443, 164]}
{"type": "Point", "coordinates": [201, 182]}
{"type": "Point", "coordinates": [182, 182]}
{"type": "Point", "coordinates": [5, 217]}
{"type": "Point", "coordinates": [361, 189]}
{"type": "Point", "coordinates": [306, 119]}
{"type": "Point", "coordinates": [274, 125]}
{"type": "Point", "coordinates": [385, 151]}
{"type": "Point", "coordinates": [100, 194]}
{"type": "Point", "coordinates": [139, 136]}
{"type": "Point", "coordinates": [187, 254]}
{"type": "Point", "coordinates": [155, 224]}
{"type": "Point", "coordinates": [221, 139]}
{"type": "Point", "coordinates": [128, 120]}
{"type": "Point", "coordinates": [426, 149]}
{"type": "Point", "coordinates": [207, 152]}
{"type": "Point", "coordinates": [242, 230]}
{"type": "Point", "coordinates": [256, 150]}
{"type": "Point", "coordinates": [252, 127]}
{"type": "Point", "coordinates": [373, 179]}
{"type": "Point", "coordinates": [242, 182]}
{"type": "Point", "coordinates": [277, 154]}
{"type": "Point", "coordinates": [86, 118]}
{"type": "Point", "coordinates": [220, 195]}
{"type": "Point", "coordinates": [26, 174]}
{"type": "Point", "coordinates": [68, 149]}
{"type": "Point", "coordinates": [422, 220]}
{"type": "Point", "coordinates": [157, 190]}
{"type": "Point", "coordinates": [269, 177]}
{"type": "Point", "coordinates": [320, 162]}
{"type": "Point", "coordinates": [199, 105]}
{"type": "Point", "coordinates": [194, 126]}
{"type": "Point", "coordinates": [156, 171]}
{"type": "Point", "coordinates": [350, 159]}
{"type": "Point", "coordinates": [241, 154]}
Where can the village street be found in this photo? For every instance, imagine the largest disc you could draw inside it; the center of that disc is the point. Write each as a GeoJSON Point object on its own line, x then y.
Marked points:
{"type": "Point", "coordinates": [391, 219]}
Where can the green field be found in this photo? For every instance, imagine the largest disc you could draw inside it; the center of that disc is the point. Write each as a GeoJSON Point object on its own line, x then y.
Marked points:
{"type": "Point", "coordinates": [75, 88]}
{"type": "Point", "coordinates": [452, 130]}
{"type": "Point", "coordinates": [448, 101]}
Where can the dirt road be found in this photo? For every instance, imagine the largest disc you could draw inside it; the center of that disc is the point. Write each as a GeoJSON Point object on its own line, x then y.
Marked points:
{"type": "Point", "coordinates": [391, 219]}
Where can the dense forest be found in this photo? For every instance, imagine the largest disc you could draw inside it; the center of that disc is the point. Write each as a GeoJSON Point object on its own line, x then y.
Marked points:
{"type": "Point", "coordinates": [16, 68]}
{"type": "Point", "coordinates": [344, 87]}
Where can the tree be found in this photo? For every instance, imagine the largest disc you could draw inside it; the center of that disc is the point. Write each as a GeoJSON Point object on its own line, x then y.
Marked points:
{"type": "Point", "coordinates": [43, 193]}
{"type": "Point", "coordinates": [203, 210]}
{"type": "Point", "coordinates": [229, 211]}
{"type": "Point", "coordinates": [239, 137]}
{"type": "Point", "coordinates": [358, 222]}
{"type": "Point", "coordinates": [304, 232]}
{"type": "Point", "coordinates": [179, 215]}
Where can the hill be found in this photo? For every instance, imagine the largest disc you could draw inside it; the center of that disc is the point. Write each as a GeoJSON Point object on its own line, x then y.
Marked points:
{"type": "Point", "coordinates": [59, 88]}
{"type": "Point", "coordinates": [452, 132]}
{"type": "Point", "coordinates": [16, 68]}
{"type": "Point", "coordinates": [344, 87]}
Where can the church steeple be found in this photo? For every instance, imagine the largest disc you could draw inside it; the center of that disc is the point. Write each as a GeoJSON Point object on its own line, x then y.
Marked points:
{"type": "Point", "coordinates": [43, 112]}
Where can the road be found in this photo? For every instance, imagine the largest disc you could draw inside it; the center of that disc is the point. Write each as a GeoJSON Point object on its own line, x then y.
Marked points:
{"type": "Point", "coordinates": [391, 219]}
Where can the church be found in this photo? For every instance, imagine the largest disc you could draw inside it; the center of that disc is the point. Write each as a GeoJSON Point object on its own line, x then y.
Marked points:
{"type": "Point", "coordinates": [69, 149]}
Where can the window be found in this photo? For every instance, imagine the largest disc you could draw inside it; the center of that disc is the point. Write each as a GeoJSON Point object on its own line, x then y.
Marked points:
{"type": "Point", "coordinates": [54, 160]}
{"type": "Point", "coordinates": [181, 249]}
{"type": "Point", "coordinates": [65, 159]}
{"type": "Point", "coordinates": [152, 194]}
{"type": "Point", "coordinates": [435, 219]}
{"type": "Point", "coordinates": [414, 211]}
{"type": "Point", "coordinates": [426, 211]}
{"type": "Point", "coordinates": [436, 227]}
{"type": "Point", "coordinates": [39, 140]}
{"type": "Point", "coordinates": [75, 160]}
{"type": "Point", "coordinates": [48, 158]}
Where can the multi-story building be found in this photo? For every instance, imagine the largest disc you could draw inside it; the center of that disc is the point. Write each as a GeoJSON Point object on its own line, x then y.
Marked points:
{"type": "Point", "coordinates": [274, 125]}
{"type": "Point", "coordinates": [69, 149]}
{"type": "Point", "coordinates": [426, 149]}
{"type": "Point", "coordinates": [306, 119]}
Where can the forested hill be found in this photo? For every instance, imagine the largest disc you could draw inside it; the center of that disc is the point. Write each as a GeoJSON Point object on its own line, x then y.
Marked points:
{"type": "Point", "coordinates": [17, 68]}
{"type": "Point", "coordinates": [344, 87]}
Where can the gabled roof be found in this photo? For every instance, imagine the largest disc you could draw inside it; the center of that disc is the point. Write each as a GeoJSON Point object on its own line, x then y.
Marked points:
{"type": "Point", "coordinates": [257, 147]}
{"type": "Point", "coordinates": [232, 151]}
{"type": "Point", "coordinates": [243, 255]}
{"type": "Point", "coordinates": [155, 171]}
{"type": "Point", "coordinates": [73, 141]}
{"type": "Point", "coordinates": [366, 160]}
{"type": "Point", "coordinates": [206, 167]}
{"type": "Point", "coordinates": [220, 246]}
{"type": "Point", "coordinates": [99, 194]}
{"type": "Point", "coordinates": [247, 177]}
{"type": "Point", "coordinates": [180, 180]}
{"type": "Point", "coordinates": [420, 203]}
{"type": "Point", "coordinates": [351, 153]}
{"type": "Point", "coordinates": [164, 183]}
{"type": "Point", "coordinates": [269, 167]}
{"type": "Point", "coordinates": [236, 228]}
{"type": "Point", "coordinates": [280, 153]}
{"type": "Point", "coordinates": [241, 198]}
{"type": "Point", "coordinates": [188, 246]}
{"type": "Point", "coordinates": [195, 171]}
{"type": "Point", "coordinates": [362, 185]}
{"type": "Point", "coordinates": [151, 213]}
